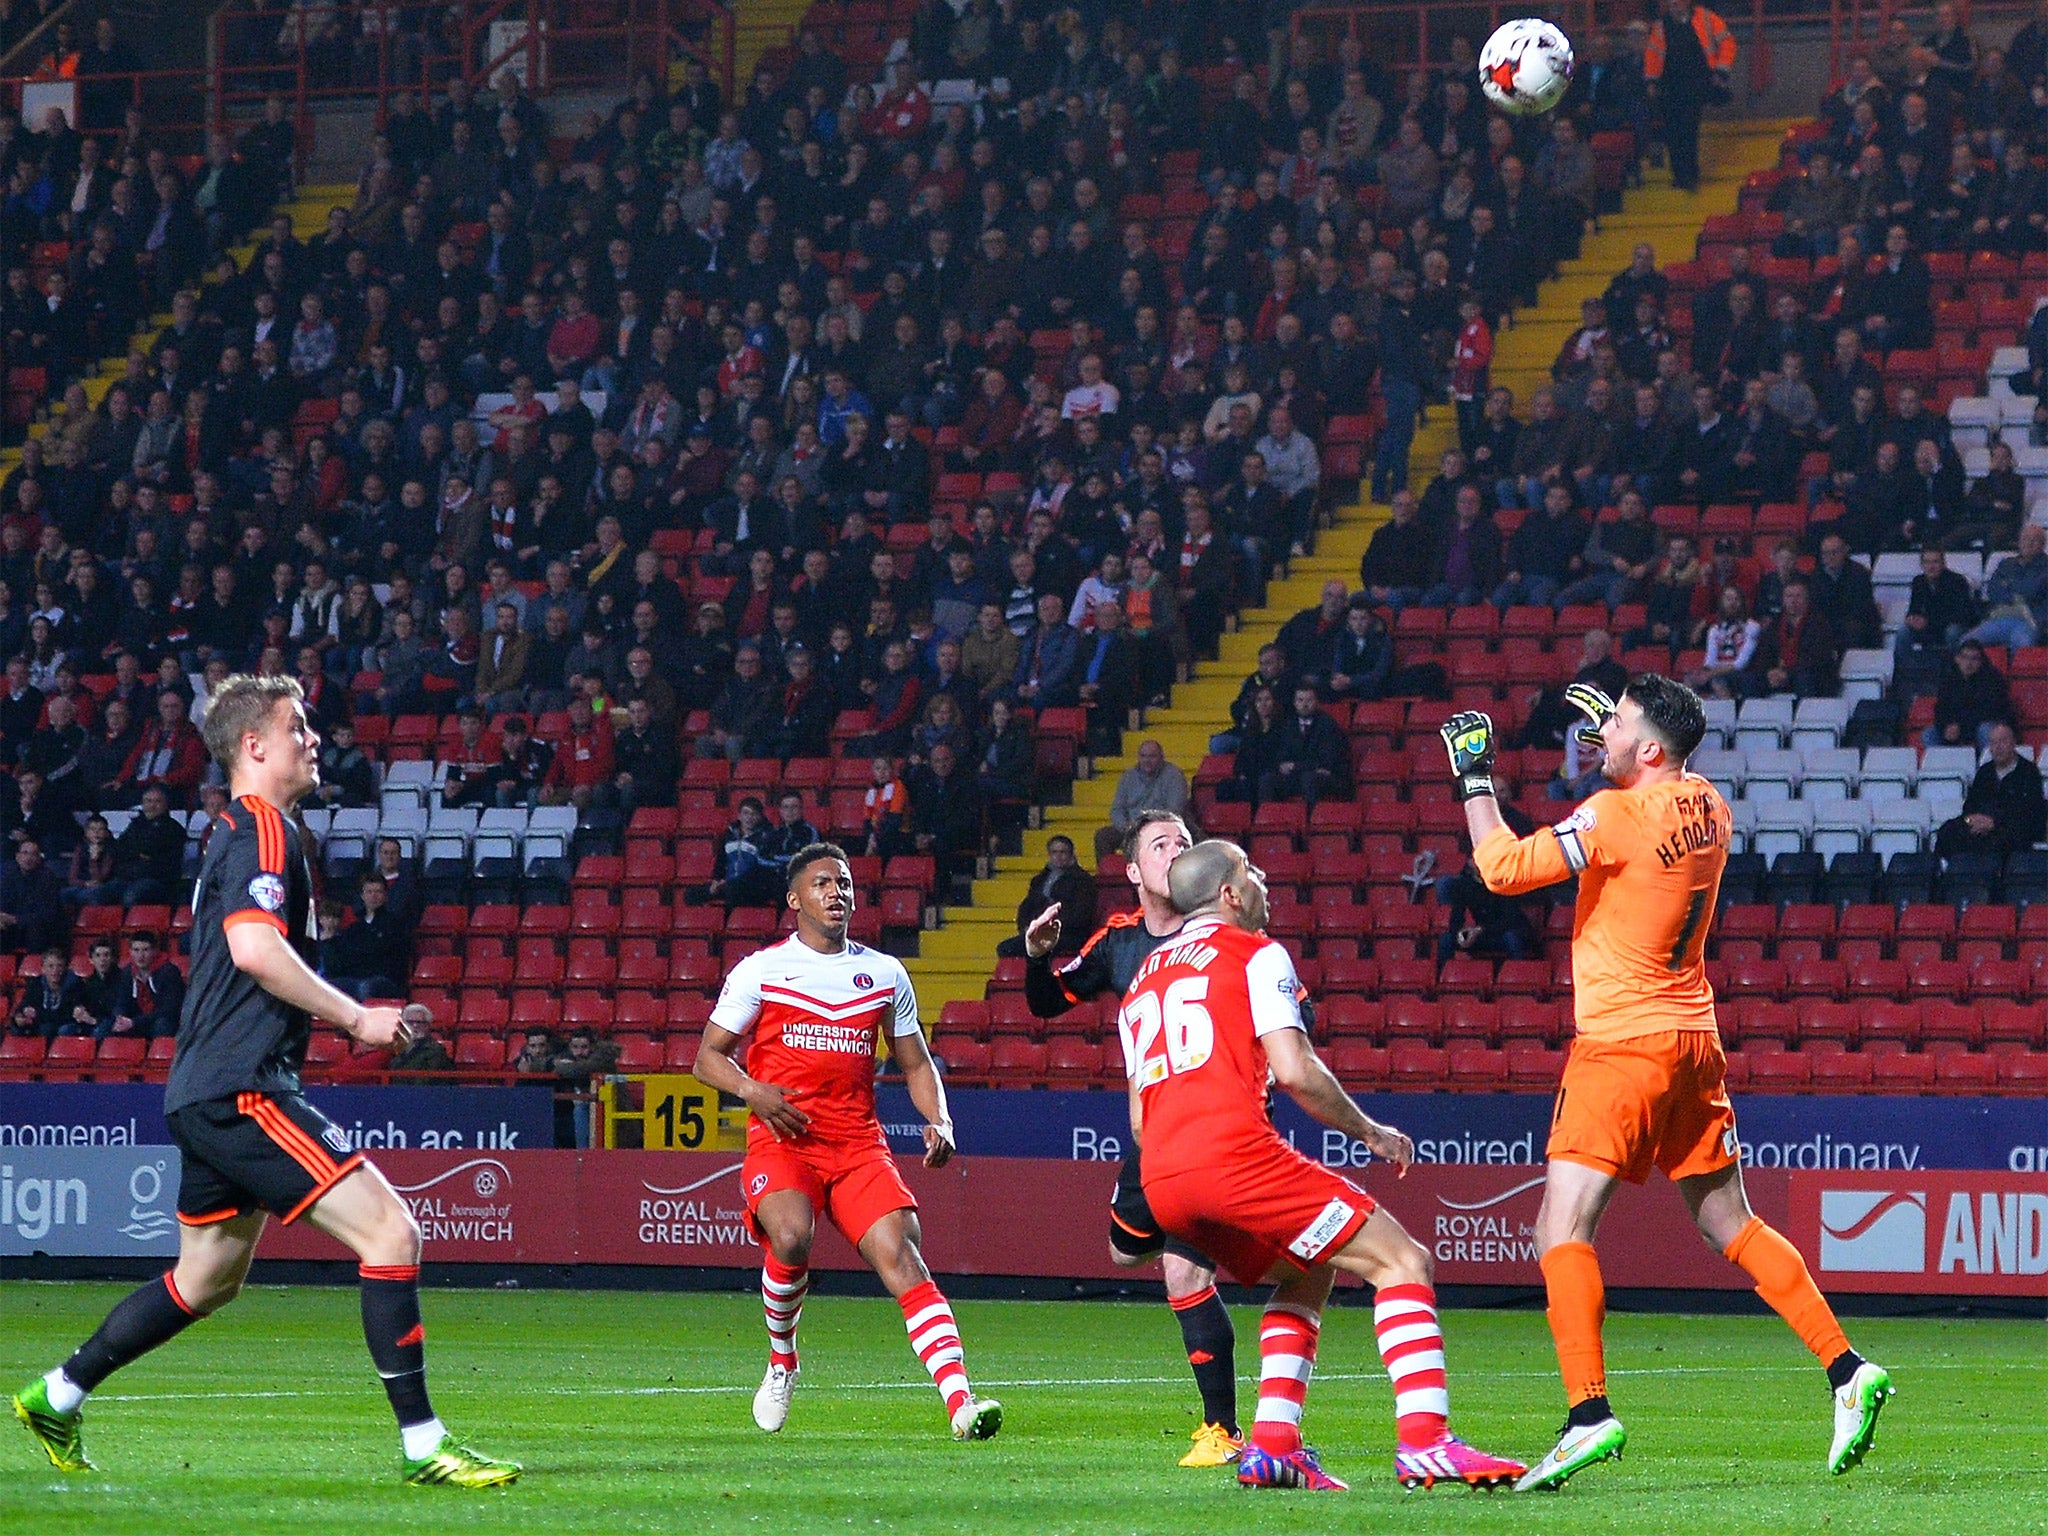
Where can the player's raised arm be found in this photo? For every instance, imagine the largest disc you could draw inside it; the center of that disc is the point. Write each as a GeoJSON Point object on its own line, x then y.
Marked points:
{"type": "Point", "coordinates": [1509, 865]}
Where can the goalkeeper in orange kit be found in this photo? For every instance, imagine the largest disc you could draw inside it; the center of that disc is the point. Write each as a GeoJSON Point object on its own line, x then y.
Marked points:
{"type": "Point", "coordinates": [1643, 1083]}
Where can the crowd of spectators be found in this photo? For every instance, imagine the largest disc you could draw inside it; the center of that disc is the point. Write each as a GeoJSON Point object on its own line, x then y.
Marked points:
{"type": "Point", "coordinates": [702, 427]}
{"type": "Point", "coordinates": [836, 419]}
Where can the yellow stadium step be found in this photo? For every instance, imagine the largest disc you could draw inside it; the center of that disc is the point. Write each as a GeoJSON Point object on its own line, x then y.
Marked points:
{"type": "Point", "coordinates": [760, 27]}
{"type": "Point", "coordinates": [955, 960]}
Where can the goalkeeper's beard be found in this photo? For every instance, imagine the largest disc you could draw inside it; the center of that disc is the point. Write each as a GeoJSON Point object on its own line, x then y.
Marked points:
{"type": "Point", "coordinates": [1618, 768]}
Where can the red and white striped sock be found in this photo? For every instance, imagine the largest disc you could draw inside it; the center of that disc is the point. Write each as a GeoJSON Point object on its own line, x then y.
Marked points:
{"type": "Point", "coordinates": [783, 1287]}
{"type": "Point", "coordinates": [1287, 1357]}
{"type": "Point", "coordinates": [936, 1338]}
{"type": "Point", "coordinates": [1412, 1344]}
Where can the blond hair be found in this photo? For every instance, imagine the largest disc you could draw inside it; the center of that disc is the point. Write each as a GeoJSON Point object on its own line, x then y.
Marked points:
{"type": "Point", "coordinates": [241, 704]}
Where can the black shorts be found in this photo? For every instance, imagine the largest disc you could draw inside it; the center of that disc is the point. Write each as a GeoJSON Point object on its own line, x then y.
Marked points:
{"type": "Point", "coordinates": [256, 1151]}
{"type": "Point", "coordinates": [1133, 1230]}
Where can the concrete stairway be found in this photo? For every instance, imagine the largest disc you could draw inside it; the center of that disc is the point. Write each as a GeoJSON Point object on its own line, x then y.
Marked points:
{"type": "Point", "coordinates": [955, 960]}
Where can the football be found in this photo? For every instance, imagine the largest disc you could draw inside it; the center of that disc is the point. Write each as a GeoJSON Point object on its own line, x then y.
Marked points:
{"type": "Point", "coordinates": [1526, 66]}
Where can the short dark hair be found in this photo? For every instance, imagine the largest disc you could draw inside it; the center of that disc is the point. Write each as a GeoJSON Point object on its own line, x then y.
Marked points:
{"type": "Point", "coordinates": [810, 854]}
{"type": "Point", "coordinates": [1145, 818]}
{"type": "Point", "coordinates": [1673, 711]}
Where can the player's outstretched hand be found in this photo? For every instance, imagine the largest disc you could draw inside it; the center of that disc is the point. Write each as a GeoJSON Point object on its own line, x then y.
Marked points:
{"type": "Point", "coordinates": [784, 1120]}
{"type": "Point", "coordinates": [938, 1145]}
{"type": "Point", "coordinates": [1043, 933]}
{"type": "Point", "coordinates": [1468, 738]}
{"type": "Point", "coordinates": [1594, 705]}
{"type": "Point", "coordinates": [383, 1027]}
{"type": "Point", "coordinates": [1391, 1146]}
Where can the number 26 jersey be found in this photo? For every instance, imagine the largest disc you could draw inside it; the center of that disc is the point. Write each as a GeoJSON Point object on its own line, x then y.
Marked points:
{"type": "Point", "coordinates": [1192, 1026]}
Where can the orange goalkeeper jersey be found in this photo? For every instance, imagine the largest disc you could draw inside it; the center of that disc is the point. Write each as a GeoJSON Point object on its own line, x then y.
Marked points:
{"type": "Point", "coordinates": [1649, 863]}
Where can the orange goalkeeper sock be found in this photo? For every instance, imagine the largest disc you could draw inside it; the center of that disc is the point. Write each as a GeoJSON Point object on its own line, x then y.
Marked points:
{"type": "Point", "coordinates": [1783, 1280]}
{"type": "Point", "coordinates": [1578, 1305]}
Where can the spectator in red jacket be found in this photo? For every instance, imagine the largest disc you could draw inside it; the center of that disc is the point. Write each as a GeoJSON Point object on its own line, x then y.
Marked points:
{"type": "Point", "coordinates": [582, 773]}
{"type": "Point", "coordinates": [170, 753]}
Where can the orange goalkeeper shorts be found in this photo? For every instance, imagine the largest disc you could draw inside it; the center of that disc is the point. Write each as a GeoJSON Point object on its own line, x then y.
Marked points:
{"type": "Point", "coordinates": [1626, 1106]}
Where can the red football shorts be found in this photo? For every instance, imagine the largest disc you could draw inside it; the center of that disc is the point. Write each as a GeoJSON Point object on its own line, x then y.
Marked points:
{"type": "Point", "coordinates": [1249, 1212]}
{"type": "Point", "coordinates": [853, 1187]}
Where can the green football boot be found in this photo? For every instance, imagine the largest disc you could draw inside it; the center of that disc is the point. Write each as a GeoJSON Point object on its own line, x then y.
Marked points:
{"type": "Point", "coordinates": [1856, 1408]}
{"type": "Point", "coordinates": [1578, 1447]}
{"type": "Point", "coordinates": [457, 1466]}
{"type": "Point", "coordinates": [61, 1435]}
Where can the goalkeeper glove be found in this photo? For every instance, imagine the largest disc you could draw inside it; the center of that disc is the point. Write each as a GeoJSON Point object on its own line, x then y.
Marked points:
{"type": "Point", "coordinates": [1594, 704]}
{"type": "Point", "coordinates": [1468, 737]}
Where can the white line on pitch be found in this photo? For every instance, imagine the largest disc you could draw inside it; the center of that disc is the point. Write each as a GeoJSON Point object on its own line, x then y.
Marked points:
{"type": "Point", "coordinates": [908, 1385]}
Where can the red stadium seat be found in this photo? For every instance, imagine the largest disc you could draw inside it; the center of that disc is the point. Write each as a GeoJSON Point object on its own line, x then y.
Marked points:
{"type": "Point", "coordinates": [1013, 1057]}
{"type": "Point", "coordinates": [1841, 1072]}
{"type": "Point", "coordinates": [1901, 1072]}
{"type": "Point", "coordinates": [2023, 1072]}
{"type": "Point", "coordinates": [1358, 1065]}
{"type": "Point", "coordinates": [1414, 1019]}
{"type": "Point", "coordinates": [1965, 1072]}
{"type": "Point", "coordinates": [1778, 1071]}
{"type": "Point", "coordinates": [1534, 1066]}
{"type": "Point", "coordinates": [1417, 1066]}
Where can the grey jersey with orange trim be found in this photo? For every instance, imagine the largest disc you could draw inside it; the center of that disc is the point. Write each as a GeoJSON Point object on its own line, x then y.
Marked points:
{"type": "Point", "coordinates": [233, 1036]}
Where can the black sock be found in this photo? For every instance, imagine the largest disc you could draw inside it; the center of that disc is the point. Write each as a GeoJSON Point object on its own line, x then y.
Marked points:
{"type": "Point", "coordinates": [1842, 1369]}
{"type": "Point", "coordinates": [147, 1316]}
{"type": "Point", "coordinates": [1212, 1352]}
{"type": "Point", "coordinates": [1589, 1412]}
{"type": "Point", "coordinates": [398, 1342]}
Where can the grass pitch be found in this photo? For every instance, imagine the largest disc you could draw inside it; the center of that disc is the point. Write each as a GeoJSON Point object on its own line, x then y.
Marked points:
{"type": "Point", "coordinates": [631, 1413]}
